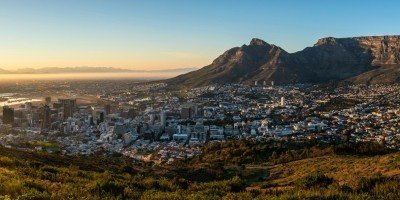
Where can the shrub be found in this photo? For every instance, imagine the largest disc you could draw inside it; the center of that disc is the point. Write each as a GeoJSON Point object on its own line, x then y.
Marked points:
{"type": "Point", "coordinates": [314, 180]}
{"type": "Point", "coordinates": [110, 187]}
{"type": "Point", "coordinates": [6, 162]}
{"type": "Point", "coordinates": [12, 187]}
{"type": "Point", "coordinates": [52, 170]}
{"type": "Point", "coordinates": [34, 185]}
{"type": "Point", "coordinates": [367, 184]}
{"type": "Point", "coordinates": [34, 195]}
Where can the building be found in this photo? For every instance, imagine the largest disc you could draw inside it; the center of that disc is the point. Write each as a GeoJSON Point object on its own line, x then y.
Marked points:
{"type": "Point", "coordinates": [28, 105]}
{"type": "Point", "coordinates": [186, 112]}
{"type": "Point", "coordinates": [47, 100]}
{"type": "Point", "coordinates": [132, 113]}
{"type": "Point", "coordinates": [190, 110]}
{"type": "Point", "coordinates": [120, 129]}
{"type": "Point", "coordinates": [8, 115]}
{"type": "Point", "coordinates": [46, 117]}
{"type": "Point", "coordinates": [68, 106]}
{"type": "Point", "coordinates": [216, 132]}
{"type": "Point", "coordinates": [107, 109]}
{"type": "Point", "coordinates": [163, 119]}
{"type": "Point", "coordinates": [101, 117]}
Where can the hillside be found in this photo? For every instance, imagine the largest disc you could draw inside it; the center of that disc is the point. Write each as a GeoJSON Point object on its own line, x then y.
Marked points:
{"type": "Point", "coordinates": [330, 59]}
{"type": "Point", "coordinates": [320, 175]}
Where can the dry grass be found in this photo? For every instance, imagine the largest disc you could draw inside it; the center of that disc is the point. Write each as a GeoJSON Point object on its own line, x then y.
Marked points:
{"type": "Point", "coordinates": [344, 169]}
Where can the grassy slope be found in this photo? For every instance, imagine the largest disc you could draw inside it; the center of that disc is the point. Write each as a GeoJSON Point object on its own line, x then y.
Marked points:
{"type": "Point", "coordinates": [45, 176]}
{"type": "Point", "coordinates": [343, 169]}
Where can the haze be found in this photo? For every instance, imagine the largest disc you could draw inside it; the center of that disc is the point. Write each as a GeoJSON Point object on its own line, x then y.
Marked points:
{"type": "Point", "coordinates": [88, 76]}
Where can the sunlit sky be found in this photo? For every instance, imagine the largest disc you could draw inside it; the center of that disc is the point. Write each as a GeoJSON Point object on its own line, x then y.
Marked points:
{"type": "Point", "coordinates": [162, 34]}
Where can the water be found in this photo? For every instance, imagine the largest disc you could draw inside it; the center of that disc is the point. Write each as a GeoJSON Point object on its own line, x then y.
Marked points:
{"type": "Point", "coordinates": [4, 95]}
{"type": "Point", "coordinates": [17, 101]}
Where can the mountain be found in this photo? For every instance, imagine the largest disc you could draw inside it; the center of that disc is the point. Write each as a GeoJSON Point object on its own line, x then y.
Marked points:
{"type": "Point", "coordinates": [357, 59]}
{"type": "Point", "coordinates": [3, 71]}
{"type": "Point", "coordinates": [65, 70]}
{"type": "Point", "coordinates": [59, 70]}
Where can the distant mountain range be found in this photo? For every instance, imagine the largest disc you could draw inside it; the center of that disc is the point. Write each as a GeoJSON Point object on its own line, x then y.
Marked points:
{"type": "Point", "coordinates": [372, 59]}
{"type": "Point", "coordinates": [61, 70]}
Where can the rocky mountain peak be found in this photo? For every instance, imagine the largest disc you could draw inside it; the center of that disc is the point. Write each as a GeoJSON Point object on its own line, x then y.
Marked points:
{"type": "Point", "coordinates": [326, 41]}
{"type": "Point", "coordinates": [258, 42]}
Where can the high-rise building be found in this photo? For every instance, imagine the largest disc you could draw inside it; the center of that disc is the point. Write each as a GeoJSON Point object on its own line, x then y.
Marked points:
{"type": "Point", "coordinates": [191, 110]}
{"type": "Point", "coordinates": [107, 109]}
{"type": "Point", "coordinates": [163, 118]}
{"type": "Point", "coordinates": [68, 106]}
{"type": "Point", "coordinates": [282, 101]}
{"type": "Point", "coordinates": [186, 112]}
{"type": "Point", "coordinates": [28, 105]}
{"type": "Point", "coordinates": [8, 115]}
{"type": "Point", "coordinates": [131, 113]}
{"type": "Point", "coordinates": [101, 118]}
{"type": "Point", "coordinates": [47, 100]}
{"type": "Point", "coordinates": [46, 120]}
{"type": "Point", "coordinates": [152, 117]}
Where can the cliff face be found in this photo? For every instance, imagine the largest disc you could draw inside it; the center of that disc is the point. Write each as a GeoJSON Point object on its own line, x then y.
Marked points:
{"type": "Point", "coordinates": [330, 59]}
{"type": "Point", "coordinates": [383, 49]}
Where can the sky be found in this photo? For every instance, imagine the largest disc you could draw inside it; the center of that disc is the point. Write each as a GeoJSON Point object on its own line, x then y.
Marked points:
{"type": "Point", "coordinates": [166, 34]}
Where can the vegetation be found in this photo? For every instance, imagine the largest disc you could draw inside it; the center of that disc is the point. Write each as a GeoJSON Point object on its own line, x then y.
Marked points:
{"type": "Point", "coordinates": [244, 169]}
{"type": "Point", "coordinates": [338, 103]}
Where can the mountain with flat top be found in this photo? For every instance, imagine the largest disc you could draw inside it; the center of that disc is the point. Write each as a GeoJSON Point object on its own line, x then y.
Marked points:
{"type": "Point", "coordinates": [355, 59]}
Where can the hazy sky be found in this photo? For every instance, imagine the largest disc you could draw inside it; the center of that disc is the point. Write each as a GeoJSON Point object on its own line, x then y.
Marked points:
{"type": "Point", "coordinates": [146, 34]}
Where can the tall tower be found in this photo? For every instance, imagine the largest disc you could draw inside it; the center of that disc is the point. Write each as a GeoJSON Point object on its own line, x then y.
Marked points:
{"type": "Point", "coordinates": [46, 121]}
{"type": "Point", "coordinates": [8, 115]}
{"type": "Point", "coordinates": [163, 118]}
{"type": "Point", "coordinates": [107, 109]}
{"type": "Point", "coordinates": [282, 101]}
{"type": "Point", "coordinates": [152, 116]}
{"type": "Point", "coordinates": [47, 100]}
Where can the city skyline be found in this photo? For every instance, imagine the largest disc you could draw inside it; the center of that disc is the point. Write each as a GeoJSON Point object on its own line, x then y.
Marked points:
{"type": "Point", "coordinates": [174, 34]}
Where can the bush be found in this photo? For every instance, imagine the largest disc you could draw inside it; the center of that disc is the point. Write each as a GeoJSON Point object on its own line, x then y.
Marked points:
{"type": "Point", "coordinates": [6, 162]}
{"type": "Point", "coordinates": [314, 180]}
{"type": "Point", "coordinates": [368, 184]}
{"type": "Point", "coordinates": [109, 187]}
{"type": "Point", "coordinates": [52, 170]}
{"type": "Point", "coordinates": [34, 185]}
{"type": "Point", "coordinates": [34, 195]}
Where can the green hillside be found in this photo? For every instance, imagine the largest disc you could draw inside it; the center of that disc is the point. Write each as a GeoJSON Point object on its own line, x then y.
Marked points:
{"type": "Point", "coordinates": [231, 170]}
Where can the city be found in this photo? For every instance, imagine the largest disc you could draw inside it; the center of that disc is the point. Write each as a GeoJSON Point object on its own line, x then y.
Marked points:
{"type": "Point", "coordinates": [151, 122]}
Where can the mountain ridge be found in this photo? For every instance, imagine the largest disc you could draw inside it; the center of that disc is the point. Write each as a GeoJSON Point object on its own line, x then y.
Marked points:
{"type": "Point", "coordinates": [330, 59]}
{"type": "Point", "coordinates": [60, 70]}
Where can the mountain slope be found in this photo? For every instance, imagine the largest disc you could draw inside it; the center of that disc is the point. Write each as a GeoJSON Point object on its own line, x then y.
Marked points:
{"type": "Point", "coordinates": [236, 65]}
{"type": "Point", "coordinates": [330, 59]}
